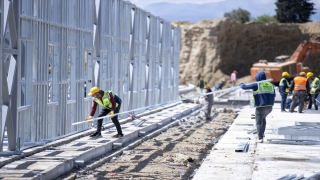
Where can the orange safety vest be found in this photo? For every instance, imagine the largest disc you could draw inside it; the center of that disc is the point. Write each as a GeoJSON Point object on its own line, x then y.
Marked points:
{"type": "Point", "coordinates": [300, 83]}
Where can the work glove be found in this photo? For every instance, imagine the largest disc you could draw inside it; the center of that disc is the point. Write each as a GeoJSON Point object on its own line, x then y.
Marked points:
{"type": "Point", "coordinates": [111, 114]}
{"type": "Point", "coordinates": [89, 119]}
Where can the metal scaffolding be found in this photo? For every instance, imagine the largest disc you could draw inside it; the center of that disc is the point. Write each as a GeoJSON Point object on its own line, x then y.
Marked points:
{"type": "Point", "coordinates": [54, 51]}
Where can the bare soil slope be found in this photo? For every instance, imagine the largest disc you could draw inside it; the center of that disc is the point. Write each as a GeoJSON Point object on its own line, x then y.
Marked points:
{"type": "Point", "coordinates": [214, 48]}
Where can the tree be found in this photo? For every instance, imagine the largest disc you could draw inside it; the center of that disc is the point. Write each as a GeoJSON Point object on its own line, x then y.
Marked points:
{"type": "Point", "coordinates": [294, 11]}
{"type": "Point", "coordinates": [265, 18]}
{"type": "Point", "coordinates": [238, 15]}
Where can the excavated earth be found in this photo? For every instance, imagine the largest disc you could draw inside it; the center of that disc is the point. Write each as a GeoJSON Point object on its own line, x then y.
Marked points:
{"type": "Point", "coordinates": [174, 154]}
{"type": "Point", "coordinates": [212, 49]}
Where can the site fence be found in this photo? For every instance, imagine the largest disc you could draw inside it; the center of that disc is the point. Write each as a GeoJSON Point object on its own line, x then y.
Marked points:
{"type": "Point", "coordinates": [54, 51]}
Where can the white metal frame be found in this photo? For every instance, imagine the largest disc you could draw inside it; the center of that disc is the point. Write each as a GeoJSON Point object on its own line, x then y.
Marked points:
{"type": "Point", "coordinates": [54, 51]}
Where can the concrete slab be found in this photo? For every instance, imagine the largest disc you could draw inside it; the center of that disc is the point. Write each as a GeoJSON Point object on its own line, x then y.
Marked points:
{"type": "Point", "coordinates": [263, 160]}
{"type": "Point", "coordinates": [55, 161]}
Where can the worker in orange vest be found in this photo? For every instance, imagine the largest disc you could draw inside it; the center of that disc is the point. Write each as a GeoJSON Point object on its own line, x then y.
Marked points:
{"type": "Point", "coordinates": [300, 87]}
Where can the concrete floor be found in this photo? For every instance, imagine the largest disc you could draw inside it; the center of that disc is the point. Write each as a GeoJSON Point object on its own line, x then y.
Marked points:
{"type": "Point", "coordinates": [57, 160]}
{"type": "Point", "coordinates": [263, 160]}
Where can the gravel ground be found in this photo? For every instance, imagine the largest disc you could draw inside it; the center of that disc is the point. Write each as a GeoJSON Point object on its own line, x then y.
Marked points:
{"type": "Point", "coordinates": [174, 154]}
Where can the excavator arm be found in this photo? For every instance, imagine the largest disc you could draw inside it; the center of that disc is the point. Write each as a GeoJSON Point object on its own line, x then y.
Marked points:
{"type": "Point", "coordinates": [293, 64]}
{"type": "Point", "coordinates": [304, 50]}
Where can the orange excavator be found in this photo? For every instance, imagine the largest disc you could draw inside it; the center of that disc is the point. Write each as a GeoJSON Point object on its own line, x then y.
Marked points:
{"type": "Point", "coordinates": [291, 64]}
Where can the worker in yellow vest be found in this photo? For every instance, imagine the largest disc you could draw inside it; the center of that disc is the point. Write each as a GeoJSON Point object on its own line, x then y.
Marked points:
{"type": "Point", "coordinates": [110, 103]}
{"type": "Point", "coordinates": [263, 99]}
{"type": "Point", "coordinates": [315, 89]}
{"type": "Point", "coordinates": [284, 86]}
{"type": "Point", "coordinates": [300, 87]}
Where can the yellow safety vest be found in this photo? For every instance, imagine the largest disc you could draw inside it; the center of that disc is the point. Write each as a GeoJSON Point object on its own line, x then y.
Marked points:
{"type": "Point", "coordinates": [315, 86]}
{"type": "Point", "coordinates": [282, 81]}
{"type": "Point", "coordinates": [263, 88]}
{"type": "Point", "coordinates": [105, 100]}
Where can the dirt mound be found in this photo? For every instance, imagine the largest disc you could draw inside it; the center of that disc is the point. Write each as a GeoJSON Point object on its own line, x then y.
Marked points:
{"type": "Point", "coordinates": [214, 48]}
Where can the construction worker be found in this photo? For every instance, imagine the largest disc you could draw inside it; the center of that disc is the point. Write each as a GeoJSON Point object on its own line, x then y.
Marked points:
{"type": "Point", "coordinates": [219, 85]}
{"type": "Point", "coordinates": [310, 79]}
{"type": "Point", "coordinates": [300, 86]}
{"type": "Point", "coordinates": [315, 89]}
{"type": "Point", "coordinates": [284, 89]}
{"type": "Point", "coordinates": [110, 103]}
{"type": "Point", "coordinates": [201, 84]}
{"type": "Point", "coordinates": [289, 101]}
{"type": "Point", "coordinates": [233, 78]}
{"type": "Point", "coordinates": [263, 99]}
{"type": "Point", "coordinates": [209, 99]}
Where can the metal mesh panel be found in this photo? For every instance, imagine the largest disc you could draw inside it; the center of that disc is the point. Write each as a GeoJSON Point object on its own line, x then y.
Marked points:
{"type": "Point", "coordinates": [63, 48]}
{"type": "Point", "coordinates": [25, 126]}
{"type": "Point", "coordinates": [53, 121]}
{"type": "Point", "coordinates": [2, 117]}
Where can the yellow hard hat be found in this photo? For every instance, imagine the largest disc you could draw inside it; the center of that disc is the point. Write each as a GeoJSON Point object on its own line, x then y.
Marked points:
{"type": "Point", "coordinates": [93, 90]}
{"type": "Point", "coordinates": [309, 74]}
{"type": "Point", "coordinates": [207, 86]}
{"type": "Point", "coordinates": [285, 74]}
{"type": "Point", "coordinates": [302, 73]}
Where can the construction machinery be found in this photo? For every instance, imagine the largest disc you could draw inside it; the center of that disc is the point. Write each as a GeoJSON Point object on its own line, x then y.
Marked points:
{"type": "Point", "coordinates": [291, 64]}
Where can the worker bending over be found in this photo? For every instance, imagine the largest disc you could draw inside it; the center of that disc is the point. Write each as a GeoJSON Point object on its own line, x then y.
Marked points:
{"type": "Point", "coordinates": [110, 103]}
{"type": "Point", "coordinates": [315, 90]}
{"type": "Point", "coordinates": [284, 89]}
{"type": "Point", "coordinates": [263, 97]}
{"type": "Point", "coordinates": [300, 87]}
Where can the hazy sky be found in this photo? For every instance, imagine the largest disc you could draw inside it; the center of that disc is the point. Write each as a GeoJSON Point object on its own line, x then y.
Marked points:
{"type": "Point", "coordinates": [143, 3]}
{"type": "Point", "coordinates": [268, 3]}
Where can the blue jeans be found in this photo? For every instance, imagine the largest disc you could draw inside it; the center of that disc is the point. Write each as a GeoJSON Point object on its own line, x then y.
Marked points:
{"type": "Point", "coordinates": [261, 114]}
{"type": "Point", "coordinates": [283, 100]}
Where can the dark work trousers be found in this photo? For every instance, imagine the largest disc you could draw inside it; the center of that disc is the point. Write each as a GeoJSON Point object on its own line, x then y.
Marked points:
{"type": "Point", "coordinates": [314, 97]}
{"type": "Point", "coordinates": [310, 101]}
{"type": "Point", "coordinates": [115, 120]}
{"type": "Point", "coordinates": [283, 100]}
{"type": "Point", "coordinates": [298, 95]}
{"type": "Point", "coordinates": [261, 114]}
{"type": "Point", "coordinates": [207, 110]}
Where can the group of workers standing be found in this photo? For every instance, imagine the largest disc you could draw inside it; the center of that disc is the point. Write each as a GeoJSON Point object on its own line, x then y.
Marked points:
{"type": "Point", "coordinates": [304, 87]}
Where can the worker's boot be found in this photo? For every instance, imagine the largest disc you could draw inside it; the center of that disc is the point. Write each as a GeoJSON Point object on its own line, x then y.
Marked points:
{"type": "Point", "coordinates": [96, 134]}
{"type": "Point", "coordinates": [117, 136]}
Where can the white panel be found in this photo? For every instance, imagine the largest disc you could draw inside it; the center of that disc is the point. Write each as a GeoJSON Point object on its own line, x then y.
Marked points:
{"type": "Point", "coordinates": [66, 48]}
